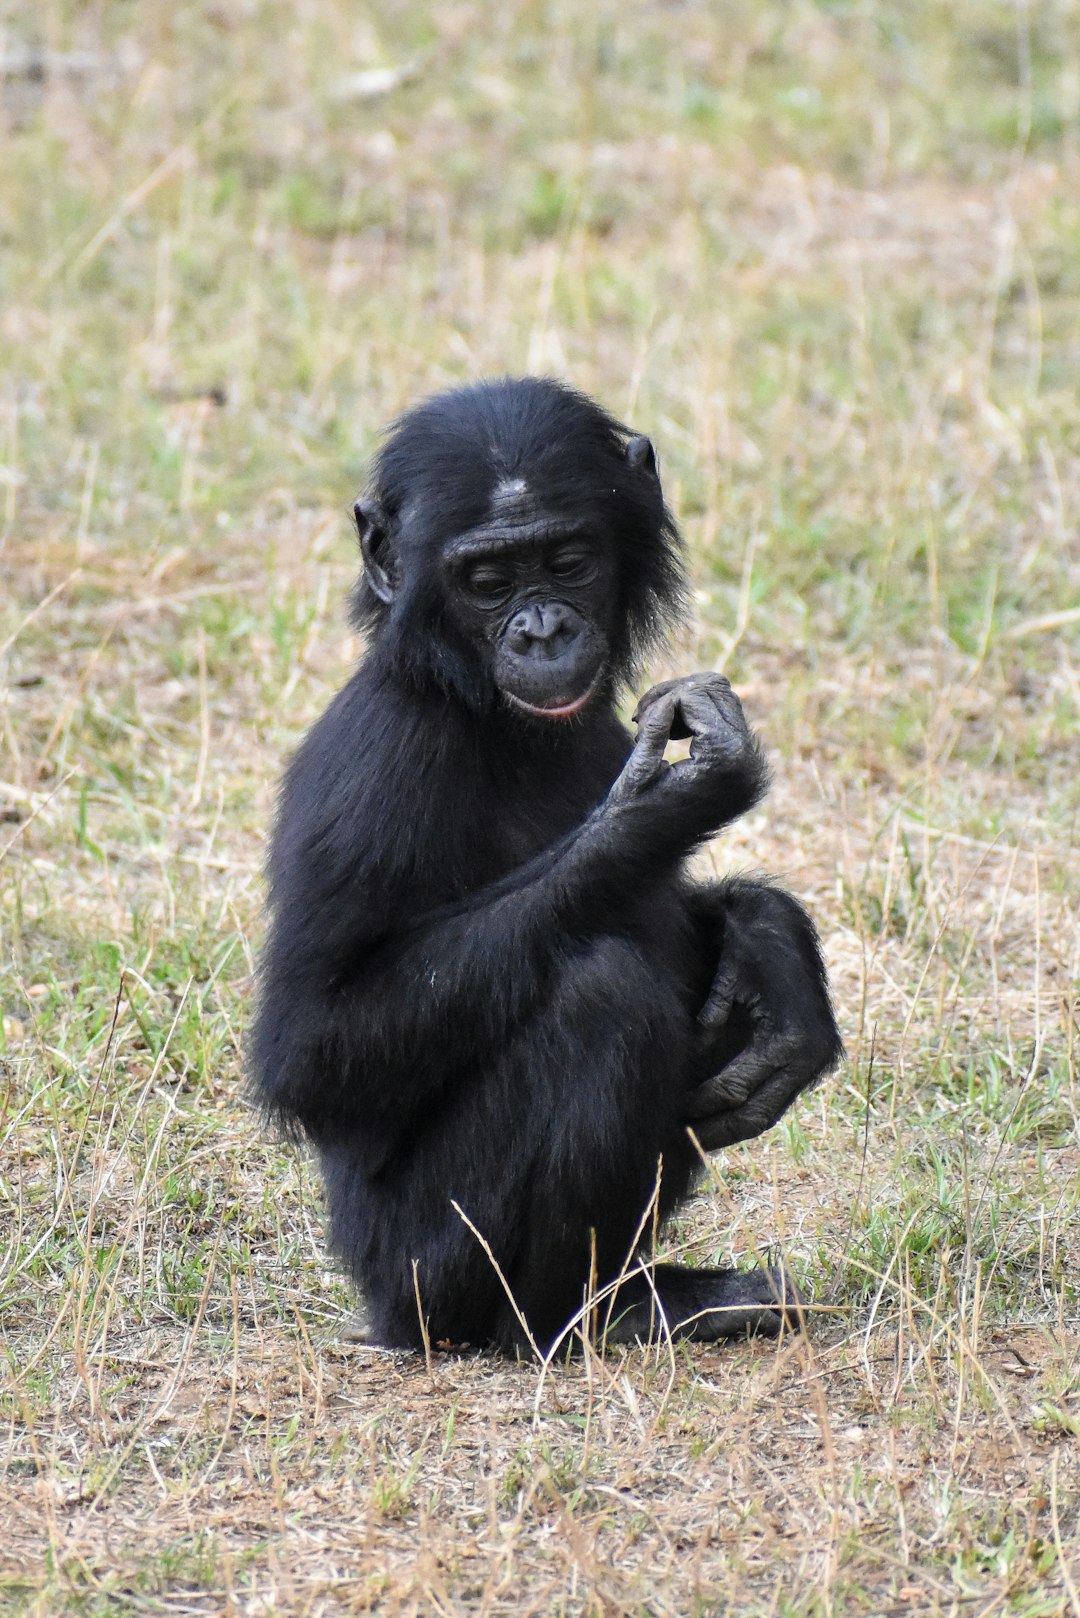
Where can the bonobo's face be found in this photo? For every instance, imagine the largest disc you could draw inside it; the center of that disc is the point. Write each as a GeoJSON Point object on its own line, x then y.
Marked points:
{"type": "Point", "coordinates": [515, 544]}
{"type": "Point", "coordinates": [536, 595]}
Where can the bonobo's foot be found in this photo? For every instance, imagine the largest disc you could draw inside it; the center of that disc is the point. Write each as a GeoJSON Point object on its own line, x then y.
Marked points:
{"type": "Point", "coordinates": [704, 1305]}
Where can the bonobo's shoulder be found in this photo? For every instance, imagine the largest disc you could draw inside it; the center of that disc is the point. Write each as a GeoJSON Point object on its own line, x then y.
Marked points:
{"type": "Point", "coordinates": [365, 735]}
{"type": "Point", "coordinates": [366, 790]}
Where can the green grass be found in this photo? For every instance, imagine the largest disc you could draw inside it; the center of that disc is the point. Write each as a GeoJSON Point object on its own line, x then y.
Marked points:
{"type": "Point", "coordinates": [828, 256]}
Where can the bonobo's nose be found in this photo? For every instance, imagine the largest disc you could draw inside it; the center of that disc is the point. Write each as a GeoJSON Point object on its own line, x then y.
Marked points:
{"type": "Point", "coordinates": [546, 629]}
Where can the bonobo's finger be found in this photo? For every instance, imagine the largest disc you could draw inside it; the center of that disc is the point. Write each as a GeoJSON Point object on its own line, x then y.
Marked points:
{"type": "Point", "coordinates": [646, 762]}
{"type": "Point", "coordinates": [746, 1074]}
{"type": "Point", "coordinates": [714, 721]}
{"type": "Point", "coordinates": [691, 686]}
{"type": "Point", "coordinates": [654, 732]}
{"type": "Point", "coordinates": [764, 1107]}
{"type": "Point", "coordinates": [718, 690]}
{"type": "Point", "coordinates": [716, 715]}
{"type": "Point", "coordinates": [721, 997]}
{"type": "Point", "coordinates": [729, 706]}
{"type": "Point", "coordinates": [662, 689]}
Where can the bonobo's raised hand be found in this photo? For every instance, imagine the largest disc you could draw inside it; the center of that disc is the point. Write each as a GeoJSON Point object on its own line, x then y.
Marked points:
{"type": "Point", "coordinates": [725, 773]}
{"type": "Point", "coordinates": [705, 706]}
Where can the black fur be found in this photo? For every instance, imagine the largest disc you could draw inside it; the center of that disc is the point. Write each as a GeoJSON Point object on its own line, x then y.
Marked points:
{"type": "Point", "coordinates": [488, 980]}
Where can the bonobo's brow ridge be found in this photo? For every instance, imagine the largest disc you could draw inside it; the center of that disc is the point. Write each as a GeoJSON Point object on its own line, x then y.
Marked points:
{"type": "Point", "coordinates": [497, 538]}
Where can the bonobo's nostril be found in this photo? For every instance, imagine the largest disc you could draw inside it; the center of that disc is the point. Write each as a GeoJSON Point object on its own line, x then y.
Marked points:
{"type": "Point", "coordinates": [558, 623]}
{"type": "Point", "coordinates": [519, 631]}
{"type": "Point", "coordinates": [549, 624]}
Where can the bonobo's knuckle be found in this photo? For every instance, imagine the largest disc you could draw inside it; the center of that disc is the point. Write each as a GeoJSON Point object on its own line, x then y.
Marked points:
{"type": "Point", "coordinates": [728, 747]}
{"type": "Point", "coordinates": [662, 689]}
{"type": "Point", "coordinates": [729, 702]}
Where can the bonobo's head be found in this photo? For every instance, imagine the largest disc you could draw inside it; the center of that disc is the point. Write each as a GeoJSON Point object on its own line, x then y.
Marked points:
{"type": "Point", "coordinates": [517, 549]}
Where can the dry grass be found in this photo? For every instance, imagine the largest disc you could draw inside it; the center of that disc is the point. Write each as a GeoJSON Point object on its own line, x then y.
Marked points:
{"type": "Point", "coordinates": [829, 255]}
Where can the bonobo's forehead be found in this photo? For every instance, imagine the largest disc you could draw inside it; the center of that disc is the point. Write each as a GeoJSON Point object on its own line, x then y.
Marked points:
{"type": "Point", "coordinates": [501, 455]}
{"type": "Point", "coordinates": [514, 503]}
{"type": "Point", "coordinates": [517, 519]}
{"type": "Point", "coordinates": [509, 494]}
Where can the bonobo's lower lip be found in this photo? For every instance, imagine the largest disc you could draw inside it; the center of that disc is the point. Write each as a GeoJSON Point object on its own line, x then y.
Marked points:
{"type": "Point", "coordinates": [562, 710]}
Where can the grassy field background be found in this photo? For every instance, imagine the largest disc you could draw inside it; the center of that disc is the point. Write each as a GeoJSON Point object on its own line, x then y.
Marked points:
{"type": "Point", "coordinates": [828, 255]}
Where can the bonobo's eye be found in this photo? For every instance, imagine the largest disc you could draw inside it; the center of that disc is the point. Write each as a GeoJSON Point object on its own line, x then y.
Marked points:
{"type": "Point", "coordinates": [489, 585]}
{"type": "Point", "coordinates": [572, 564]}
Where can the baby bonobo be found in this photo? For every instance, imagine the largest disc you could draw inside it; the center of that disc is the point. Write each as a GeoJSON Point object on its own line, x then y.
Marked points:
{"type": "Point", "coordinates": [492, 997]}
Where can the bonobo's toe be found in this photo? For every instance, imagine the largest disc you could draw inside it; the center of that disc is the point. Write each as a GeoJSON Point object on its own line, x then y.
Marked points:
{"type": "Point", "coordinates": [786, 1307]}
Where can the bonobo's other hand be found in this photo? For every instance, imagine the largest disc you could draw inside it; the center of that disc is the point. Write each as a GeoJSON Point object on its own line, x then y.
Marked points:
{"type": "Point", "coordinates": [755, 1088]}
{"type": "Point", "coordinates": [770, 986]}
{"type": "Point", "coordinates": [724, 772]}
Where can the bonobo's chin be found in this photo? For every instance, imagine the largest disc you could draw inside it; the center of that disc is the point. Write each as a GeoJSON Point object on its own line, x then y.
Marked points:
{"type": "Point", "coordinates": [557, 710]}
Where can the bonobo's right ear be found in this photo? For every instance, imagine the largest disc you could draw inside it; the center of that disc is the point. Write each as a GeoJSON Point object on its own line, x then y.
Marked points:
{"type": "Point", "coordinates": [641, 456]}
{"type": "Point", "coordinates": [374, 548]}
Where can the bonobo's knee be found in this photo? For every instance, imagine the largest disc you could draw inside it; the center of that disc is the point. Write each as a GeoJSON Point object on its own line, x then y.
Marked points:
{"type": "Point", "coordinates": [798, 962]}
{"type": "Point", "coordinates": [771, 925]}
{"type": "Point", "coordinates": [750, 901]}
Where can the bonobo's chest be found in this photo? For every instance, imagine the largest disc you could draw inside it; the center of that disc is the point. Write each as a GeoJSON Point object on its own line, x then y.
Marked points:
{"type": "Point", "coordinates": [536, 800]}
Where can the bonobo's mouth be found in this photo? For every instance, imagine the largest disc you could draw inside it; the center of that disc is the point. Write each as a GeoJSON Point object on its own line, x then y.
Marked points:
{"type": "Point", "coordinates": [559, 710]}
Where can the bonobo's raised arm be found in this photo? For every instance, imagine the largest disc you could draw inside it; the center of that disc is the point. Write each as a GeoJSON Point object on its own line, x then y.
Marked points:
{"type": "Point", "coordinates": [471, 971]}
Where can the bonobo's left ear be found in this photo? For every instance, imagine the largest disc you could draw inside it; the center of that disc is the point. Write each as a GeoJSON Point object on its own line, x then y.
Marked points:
{"type": "Point", "coordinates": [641, 456]}
{"type": "Point", "coordinates": [374, 548]}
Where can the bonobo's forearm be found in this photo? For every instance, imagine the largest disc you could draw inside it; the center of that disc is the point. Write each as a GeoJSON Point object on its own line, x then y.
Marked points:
{"type": "Point", "coordinates": [466, 977]}
{"type": "Point", "coordinates": [584, 886]}
{"type": "Point", "coordinates": [475, 969]}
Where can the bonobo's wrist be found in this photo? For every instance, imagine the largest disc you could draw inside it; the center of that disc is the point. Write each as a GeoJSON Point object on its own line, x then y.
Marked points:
{"type": "Point", "coordinates": [682, 810]}
{"type": "Point", "coordinates": [619, 853]}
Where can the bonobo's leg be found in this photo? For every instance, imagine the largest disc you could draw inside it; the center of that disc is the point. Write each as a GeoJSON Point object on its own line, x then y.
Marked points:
{"type": "Point", "coordinates": [553, 1155]}
{"type": "Point", "coordinates": [615, 1116]}
{"type": "Point", "coordinates": [558, 1138]}
{"type": "Point", "coordinates": [766, 1030]}
{"type": "Point", "coordinates": [609, 1052]}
